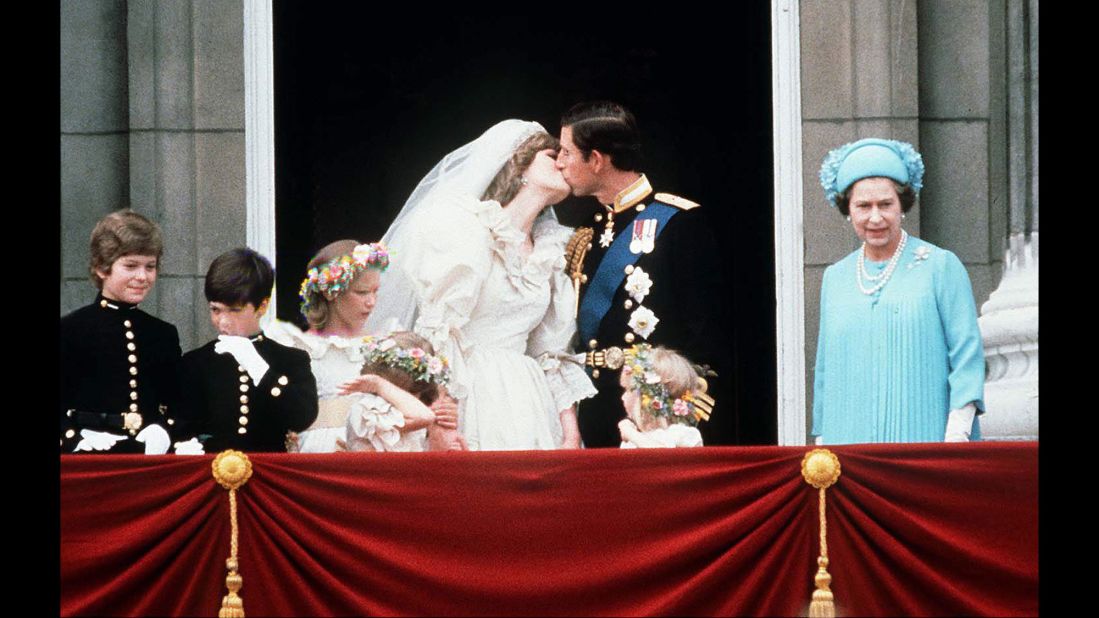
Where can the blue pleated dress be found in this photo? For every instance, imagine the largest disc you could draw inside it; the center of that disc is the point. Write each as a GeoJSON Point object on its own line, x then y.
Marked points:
{"type": "Point", "coordinates": [891, 365]}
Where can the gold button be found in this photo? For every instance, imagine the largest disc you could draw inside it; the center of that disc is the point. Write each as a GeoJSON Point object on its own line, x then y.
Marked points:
{"type": "Point", "coordinates": [629, 304]}
{"type": "Point", "coordinates": [133, 383]}
{"type": "Point", "coordinates": [242, 431]}
{"type": "Point", "coordinates": [133, 395]}
{"type": "Point", "coordinates": [130, 346]}
{"type": "Point", "coordinates": [275, 392]}
{"type": "Point", "coordinates": [240, 368]}
{"type": "Point", "coordinates": [69, 413]}
{"type": "Point", "coordinates": [127, 323]}
{"type": "Point", "coordinates": [244, 409]}
{"type": "Point", "coordinates": [171, 422]}
{"type": "Point", "coordinates": [283, 380]}
{"type": "Point", "coordinates": [103, 304]}
{"type": "Point", "coordinates": [133, 371]}
{"type": "Point", "coordinates": [244, 398]}
{"type": "Point", "coordinates": [589, 246]}
{"type": "Point", "coordinates": [132, 359]}
{"type": "Point", "coordinates": [243, 378]}
{"type": "Point", "coordinates": [583, 278]}
{"type": "Point", "coordinates": [133, 407]}
{"type": "Point", "coordinates": [595, 373]}
{"type": "Point", "coordinates": [70, 433]}
{"type": "Point", "coordinates": [243, 420]}
{"type": "Point", "coordinates": [129, 334]}
{"type": "Point", "coordinates": [640, 207]}
{"type": "Point", "coordinates": [598, 217]}
{"type": "Point", "coordinates": [629, 337]}
{"type": "Point", "coordinates": [244, 388]}
{"type": "Point", "coordinates": [592, 344]}
{"type": "Point", "coordinates": [629, 269]}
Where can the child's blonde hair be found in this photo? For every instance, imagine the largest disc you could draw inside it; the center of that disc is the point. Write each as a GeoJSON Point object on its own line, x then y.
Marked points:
{"type": "Point", "coordinates": [428, 391]}
{"type": "Point", "coordinates": [676, 372]}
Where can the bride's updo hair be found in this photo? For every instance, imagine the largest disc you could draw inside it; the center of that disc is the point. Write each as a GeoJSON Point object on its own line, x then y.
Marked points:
{"type": "Point", "coordinates": [507, 182]}
{"type": "Point", "coordinates": [318, 312]}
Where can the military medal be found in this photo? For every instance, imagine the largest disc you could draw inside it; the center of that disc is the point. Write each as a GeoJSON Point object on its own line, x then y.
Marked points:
{"type": "Point", "coordinates": [607, 237]}
{"type": "Point", "coordinates": [131, 422]}
{"type": "Point", "coordinates": [644, 236]}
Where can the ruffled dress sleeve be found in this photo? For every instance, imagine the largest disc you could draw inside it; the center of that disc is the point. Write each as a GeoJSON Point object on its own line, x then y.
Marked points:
{"type": "Point", "coordinates": [373, 424]}
{"type": "Point", "coordinates": [549, 342]}
{"type": "Point", "coordinates": [447, 263]}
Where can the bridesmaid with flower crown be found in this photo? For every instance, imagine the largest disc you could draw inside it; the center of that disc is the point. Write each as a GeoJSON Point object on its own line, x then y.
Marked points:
{"type": "Point", "coordinates": [401, 378]}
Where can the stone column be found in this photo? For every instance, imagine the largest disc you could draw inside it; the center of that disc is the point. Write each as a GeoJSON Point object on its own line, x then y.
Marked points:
{"type": "Point", "coordinates": [94, 144]}
{"type": "Point", "coordinates": [186, 114]}
{"type": "Point", "coordinates": [1009, 320]}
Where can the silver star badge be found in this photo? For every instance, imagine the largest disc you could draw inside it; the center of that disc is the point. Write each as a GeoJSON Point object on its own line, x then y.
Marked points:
{"type": "Point", "coordinates": [606, 238]}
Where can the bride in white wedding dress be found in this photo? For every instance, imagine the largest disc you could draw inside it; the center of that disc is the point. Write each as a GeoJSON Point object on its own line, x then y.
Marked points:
{"type": "Point", "coordinates": [479, 269]}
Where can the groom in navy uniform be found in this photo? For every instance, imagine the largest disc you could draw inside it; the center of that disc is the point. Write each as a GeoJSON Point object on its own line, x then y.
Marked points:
{"type": "Point", "coordinates": [646, 271]}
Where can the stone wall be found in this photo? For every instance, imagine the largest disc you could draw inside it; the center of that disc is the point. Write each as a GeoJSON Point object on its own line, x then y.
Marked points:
{"type": "Point", "coordinates": [152, 117]}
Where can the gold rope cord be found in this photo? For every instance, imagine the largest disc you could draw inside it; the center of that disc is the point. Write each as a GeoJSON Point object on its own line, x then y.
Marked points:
{"type": "Point", "coordinates": [232, 469]}
{"type": "Point", "coordinates": [821, 469]}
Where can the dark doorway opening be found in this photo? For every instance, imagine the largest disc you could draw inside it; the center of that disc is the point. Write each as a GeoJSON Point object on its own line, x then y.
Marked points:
{"type": "Point", "coordinates": [365, 105]}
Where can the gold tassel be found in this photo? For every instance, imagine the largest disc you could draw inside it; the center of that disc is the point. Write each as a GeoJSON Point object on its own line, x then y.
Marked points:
{"type": "Point", "coordinates": [821, 469]}
{"type": "Point", "coordinates": [232, 469]}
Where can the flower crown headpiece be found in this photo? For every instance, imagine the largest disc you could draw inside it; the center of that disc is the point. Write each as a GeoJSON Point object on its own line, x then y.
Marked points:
{"type": "Point", "coordinates": [689, 408]}
{"type": "Point", "coordinates": [416, 362]}
{"type": "Point", "coordinates": [869, 157]}
{"type": "Point", "coordinates": [334, 276]}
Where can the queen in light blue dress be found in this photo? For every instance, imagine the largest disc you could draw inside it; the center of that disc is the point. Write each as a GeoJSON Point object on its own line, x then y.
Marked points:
{"type": "Point", "coordinates": [899, 354]}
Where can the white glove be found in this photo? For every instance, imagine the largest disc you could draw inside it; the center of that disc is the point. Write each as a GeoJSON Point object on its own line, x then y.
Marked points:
{"type": "Point", "coordinates": [242, 349]}
{"type": "Point", "coordinates": [190, 447]}
{"type": "Point", "coordinates": [155, 438]}
{"type": "Point", "coordinates": [960, 423]}
{"type": "Point", "coordinates": [97, 440]}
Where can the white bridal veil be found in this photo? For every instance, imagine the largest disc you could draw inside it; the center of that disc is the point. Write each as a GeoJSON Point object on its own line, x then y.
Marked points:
{"type": "Point", "coordinates": [465, 171]}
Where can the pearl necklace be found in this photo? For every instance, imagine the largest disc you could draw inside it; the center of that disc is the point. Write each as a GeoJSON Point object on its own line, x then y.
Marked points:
{"type": "Point", "coordinates": [860, 270]}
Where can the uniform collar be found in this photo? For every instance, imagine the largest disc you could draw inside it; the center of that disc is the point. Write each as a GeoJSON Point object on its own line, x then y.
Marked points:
{"type": "Point", "coordinates": [112, 305]}
{"type": "Point", "coordinates": [630, 196]}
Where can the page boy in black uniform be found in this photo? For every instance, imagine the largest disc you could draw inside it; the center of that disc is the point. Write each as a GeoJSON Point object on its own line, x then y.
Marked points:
{"type": "Point", "coordinates": [244, 391]}
{"type": "Point", "coordinates": [118, 363]}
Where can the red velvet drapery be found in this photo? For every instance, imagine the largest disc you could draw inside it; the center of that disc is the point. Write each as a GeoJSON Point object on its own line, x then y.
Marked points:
{"type": "Point", "coordinates": [935, 529]}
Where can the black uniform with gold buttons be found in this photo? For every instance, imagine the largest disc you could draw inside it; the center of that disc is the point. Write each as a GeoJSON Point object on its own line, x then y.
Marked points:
{"type": "Point", "coordinates": [681, 263]}
{"type": "Point", "coordinates": [220, 400]}
{"type": "Point", "coordinates": [118, 373]}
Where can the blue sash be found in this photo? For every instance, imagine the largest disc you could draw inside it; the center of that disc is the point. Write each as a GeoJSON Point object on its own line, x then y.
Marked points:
{"type": "Point", "coordinates": [611, 272]}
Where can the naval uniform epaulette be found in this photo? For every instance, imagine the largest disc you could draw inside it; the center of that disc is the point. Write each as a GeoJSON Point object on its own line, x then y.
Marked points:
{"type": "Point", "coordinates": [681, 203]}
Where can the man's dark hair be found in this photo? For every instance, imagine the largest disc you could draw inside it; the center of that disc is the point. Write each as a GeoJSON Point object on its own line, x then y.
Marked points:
{"type": "Point", "coordinates": [238, 277]}
{"type": "Point", "coordinates": [607, 127]}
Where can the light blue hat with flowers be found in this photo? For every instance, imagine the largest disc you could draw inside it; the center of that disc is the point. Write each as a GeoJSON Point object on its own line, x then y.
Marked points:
{"type": "Point", "coordinates": [868, 158]}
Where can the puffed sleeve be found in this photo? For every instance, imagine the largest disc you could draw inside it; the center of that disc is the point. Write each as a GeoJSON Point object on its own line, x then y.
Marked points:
{"type": "Point", "coordinates": [965, 350]}
{"type": "Point", "coordinates": [819, 371]}
{"type": "Point", "coordinates": [373, 424]}
{"type": "Point", "coordinates": [447, 262]}
{"type": "Point", "coordinates": [549, 341]}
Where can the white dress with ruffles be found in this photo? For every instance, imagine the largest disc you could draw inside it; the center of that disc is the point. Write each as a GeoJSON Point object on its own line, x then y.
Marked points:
{"type": "Point", "coordinates": [373, 424]}
{"type": "Point", "coordinates": [504, 320]}
{"type": "Point", "coordinates": [334, 360]}
{"type": "Point", "coordinates": [673, 436]}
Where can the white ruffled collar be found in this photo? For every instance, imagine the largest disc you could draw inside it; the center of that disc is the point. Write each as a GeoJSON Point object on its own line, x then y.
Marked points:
{"type": "Point", "coordinates": [549, 238]}
{"type": "Point", "coordinates": [317, 346]}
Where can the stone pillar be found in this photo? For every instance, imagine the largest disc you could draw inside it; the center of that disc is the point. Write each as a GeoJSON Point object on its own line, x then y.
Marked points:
{"type": "Point", "coordinates": [859, 67]}
{"type": "Point", "coordinates": [1009, 320]}
{"type": "Point", "coordinates": [94, 144]}
{"type": "Point", "coordinates": [186, 105]}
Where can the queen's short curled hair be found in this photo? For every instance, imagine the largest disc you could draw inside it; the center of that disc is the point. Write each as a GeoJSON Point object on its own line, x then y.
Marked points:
{"type": "Point", "coordinates": [905, 194]}
{"type": "Point", "coordinates": [123, 232]}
